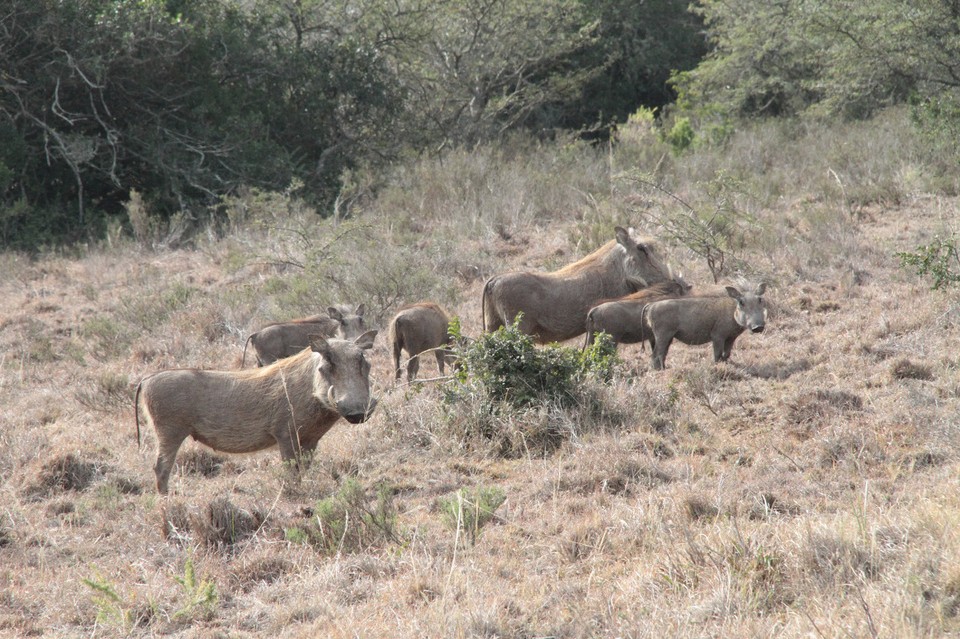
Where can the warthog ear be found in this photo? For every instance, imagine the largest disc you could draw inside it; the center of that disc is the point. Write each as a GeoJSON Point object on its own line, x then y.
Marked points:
{"type": "Point", "coordinates": [734, 292]}
{"type": "Point", "coordinates": [319, 344]}
{"type": "Point", "coordinates": [623, 237]}
{"type": "Point", "coordinates": [760, 289]}
{"type": "Point", "coordinates": [361, 309]}
{"type": "Point", "coordinates": [365, 341]}
{"type": "Point", "coordinates": [335, 314]}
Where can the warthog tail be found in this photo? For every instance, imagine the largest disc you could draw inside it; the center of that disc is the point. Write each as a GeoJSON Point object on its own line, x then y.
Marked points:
{"type": "Point", "coordinates": [589, 338]}
{"type": "Point", "coordinates": [483, 304]}
{"type": "Point", "coordinates": [136, 411]}
{"type": "Point", "coordinates": [243, 359]}
{"type": "Point", "coordinates": [644, 314]}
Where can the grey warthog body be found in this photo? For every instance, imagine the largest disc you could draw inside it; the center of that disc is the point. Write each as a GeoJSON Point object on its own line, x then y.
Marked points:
{"type": "Point", "coordinates": [284, 339]}
{"type": "Point", "coordinates": [555, 305]}
{"type": "Point", "coordinates": [291, 403]}
{"type": "Point", "coordinates": [418, 328]}
{"type": "Point", "coordinates": [622, 319]}
{"type": "Point", "coordinates": [701, 319]}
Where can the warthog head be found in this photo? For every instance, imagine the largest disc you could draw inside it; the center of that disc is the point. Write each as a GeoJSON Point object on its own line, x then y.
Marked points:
{"type": "Point", "coordinates": [751, 312]}
{"type": "Point", "coordinates": [642, 264]}
{"type": "Point", "coordinates": [342, 376]}
{"type": "Point", "coordinates": [351, 324]}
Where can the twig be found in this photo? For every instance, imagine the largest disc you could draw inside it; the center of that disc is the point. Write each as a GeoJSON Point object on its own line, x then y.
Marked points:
{"type": "Point", "coordinates": [866, 611]}
{"type": "Point", "coordinates": [814, 624]}
{"type": "Point", "coordinates": [790, 459]}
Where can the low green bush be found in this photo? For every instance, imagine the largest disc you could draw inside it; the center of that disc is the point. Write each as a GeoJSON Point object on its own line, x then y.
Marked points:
{"type": "Point", "coordinates": [506, 367]}
{"type": "Point", "coordinates": [348, 522]}
{"type": "Point", "coordinates": [940, 260]}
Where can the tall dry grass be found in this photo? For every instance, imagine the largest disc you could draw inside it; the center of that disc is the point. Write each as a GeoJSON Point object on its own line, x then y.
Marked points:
{"type": "Point", "coordinates": [808, 488]}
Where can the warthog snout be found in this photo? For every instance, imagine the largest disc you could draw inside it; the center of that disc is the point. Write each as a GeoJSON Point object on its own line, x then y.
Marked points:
{"type": "Point", "coordinates": [757, 329]}
{"type": "Point", "coordinates": [358, 417]}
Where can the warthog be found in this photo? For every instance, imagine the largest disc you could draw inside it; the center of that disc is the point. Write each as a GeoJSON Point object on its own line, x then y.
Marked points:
{"type": "Point", "coordinates": [283, 339]}
{"type": "Point", "coordinates": [622, 319]}
{"type": "Point", "coordinates": [698, 320]}
{"type": "Point", "coordinates": [417, 328]}
{"type": "Point", "coordinates": [291, 403]}
{"type": "Point", "coordinates": [555, 305]}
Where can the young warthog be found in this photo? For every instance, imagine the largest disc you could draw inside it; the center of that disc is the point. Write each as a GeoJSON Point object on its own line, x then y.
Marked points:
{"type": "Point", "coordinates": [417, 328]}
{"type": "Point", "coordinates": [622, 319]}
{"type": "Point", "coordinates": [283, 339]}
{"type": "Point", "coordinates": [291, 403]}
{"type": "Point", "coordinates": [555, 305]}
{"type": "Point", "coordinates": [698, 320]}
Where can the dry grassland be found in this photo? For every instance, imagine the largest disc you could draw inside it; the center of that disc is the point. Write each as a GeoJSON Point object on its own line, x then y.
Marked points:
{"type": "Point", "coordinates": [808, 488]}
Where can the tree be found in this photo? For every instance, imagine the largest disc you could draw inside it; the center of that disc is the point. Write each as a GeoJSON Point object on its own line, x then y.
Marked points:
{"type": "Point", "coordinates": [772, 57]}
{"type": "Point", "coordinates": [102, 97]}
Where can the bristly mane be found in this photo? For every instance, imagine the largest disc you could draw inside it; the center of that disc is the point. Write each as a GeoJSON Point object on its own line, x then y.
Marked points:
{"type": "Point", "coordinates": [590, 261]}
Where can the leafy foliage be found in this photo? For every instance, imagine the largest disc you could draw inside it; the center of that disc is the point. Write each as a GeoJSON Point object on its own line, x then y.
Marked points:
{"type": "Point", "coordinates": [174, 106]}
{"type": "Point", "coordinates": [838, 56]}
{"type": "Point", "coordinates": [200, 595]}
{"type": "Point", "coordinates": [940, 260]}
{"type": "Point", "coordinates": [506, 367]}
{"type": "Point", "coordinates": [111, 609]}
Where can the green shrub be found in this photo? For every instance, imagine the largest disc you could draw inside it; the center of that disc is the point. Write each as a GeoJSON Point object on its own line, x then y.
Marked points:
{"type": "Point", "coordinates": [506, 367]}
{"type": "Point", "coordinates": [348, 522]}
{"type": "Point", "coordinates": [467, 511]}
{"type": "Point", "coordinates": [939, 259]}
{"type": "Point", "coordinates": [199, 595]}
{"type": "Point", "coordinates": [681, 135]}
{"type": "Point", "coordinates": [112, 610]}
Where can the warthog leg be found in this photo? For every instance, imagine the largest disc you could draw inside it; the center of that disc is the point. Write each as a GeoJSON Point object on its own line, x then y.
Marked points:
{"type": "Point", "coordinates": [166, 456]}
{"type": "Point", "coordinates": [413, 366]}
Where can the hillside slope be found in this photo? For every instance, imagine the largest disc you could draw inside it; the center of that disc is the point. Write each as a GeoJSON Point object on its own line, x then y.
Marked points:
{"type": "Point", "coordinates": [809, 487]}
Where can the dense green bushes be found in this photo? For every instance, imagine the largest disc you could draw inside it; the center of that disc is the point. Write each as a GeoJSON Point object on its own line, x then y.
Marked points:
{"type": "Point", "coordinates": [184, 103]}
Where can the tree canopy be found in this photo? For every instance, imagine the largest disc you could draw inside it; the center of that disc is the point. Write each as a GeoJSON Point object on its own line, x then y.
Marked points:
{"type": "Point", "coordinates": [847, 57]}
{"type": "Point", "coordinates": [184, 102]}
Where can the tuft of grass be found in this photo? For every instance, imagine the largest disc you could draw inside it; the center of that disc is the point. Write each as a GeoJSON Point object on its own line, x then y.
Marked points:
{"type": "Point", "coordinates": [348, 522]}
{"type": "Point", "coordinates": [467, 511]}
{"type": "Point", "coordinates": [63, 472]}
{"type": "Point", "coordinates": [832, 560]}
{"type": "Point", "coordinates": [905, 369]}
{"type": "Point", "coordinates": [698, 508]}
{"type": "Point", "coordinates": [222, 523]}
{"type": "Point", "coordinates": [200, 461]}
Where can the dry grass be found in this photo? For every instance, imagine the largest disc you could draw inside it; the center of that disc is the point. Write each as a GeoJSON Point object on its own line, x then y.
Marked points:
{"type": "Point", "coordinates": [807, 488]}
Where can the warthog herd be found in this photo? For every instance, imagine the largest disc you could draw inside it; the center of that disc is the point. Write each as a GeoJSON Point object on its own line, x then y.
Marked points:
{"type": "Point", "coordinates": [554, 305]}
{"type": "Point", "coordinates": [313, 371]}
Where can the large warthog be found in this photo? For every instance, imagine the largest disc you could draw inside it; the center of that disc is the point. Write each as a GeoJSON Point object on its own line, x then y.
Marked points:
{"type": "Point", "coordinates": [284, 339]}
{"type": "Point", "coordinates": [291, 403]}
{"type": "Point", "coordinates": [418, 328]}
{"type": "Point", "coordinates": [698, 320]}
{"type": "Point", "coordinates": [622, 319]}
{"type": "Point", "coordinates": [555, 305]}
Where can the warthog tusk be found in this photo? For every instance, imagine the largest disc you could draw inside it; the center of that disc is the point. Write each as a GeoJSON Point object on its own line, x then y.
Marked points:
{"type": "Point", "coordinates": [330, 397]}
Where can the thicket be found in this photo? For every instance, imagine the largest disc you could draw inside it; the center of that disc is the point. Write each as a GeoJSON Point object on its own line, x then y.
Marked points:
{"type": "Point", "coordinates": [826, 57]}
{"type": "Point", "coordinates": [147, 117]}
{"type": "Point", "coordinates": [182, 103]}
